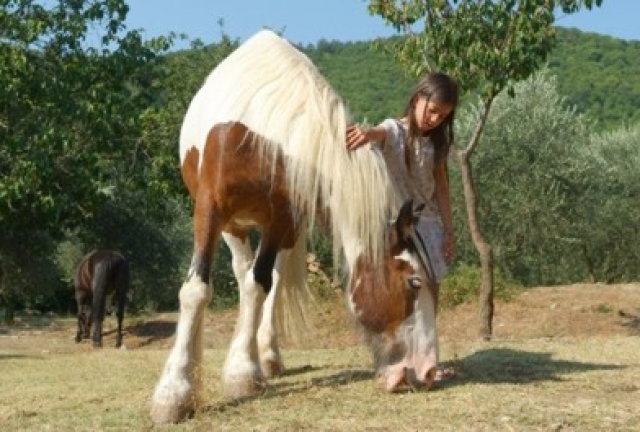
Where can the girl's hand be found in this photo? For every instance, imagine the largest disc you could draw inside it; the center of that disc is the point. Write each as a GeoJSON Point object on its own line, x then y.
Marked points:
{"type": "Point", "coordinates": [449, 247]}
{"type": "Point", "coordinates": [357, 136]}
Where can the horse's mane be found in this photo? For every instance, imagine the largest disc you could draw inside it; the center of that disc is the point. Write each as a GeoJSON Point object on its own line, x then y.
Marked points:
{"type": "Point", "coordinates": [277, 92]}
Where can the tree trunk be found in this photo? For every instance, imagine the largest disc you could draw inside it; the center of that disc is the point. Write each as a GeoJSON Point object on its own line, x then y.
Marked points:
{"type": "Point", "coordinates": [485, 298]}
{"type": "Point", "coordinates": [590, 266]}
{"type": "Point", "coordinates": [8, 316]}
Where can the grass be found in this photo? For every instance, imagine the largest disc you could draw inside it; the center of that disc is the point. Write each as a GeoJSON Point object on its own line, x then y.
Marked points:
{"type": "Point", "coordinates": [529, 385]}
{"type": "Point", "coordinates": [518, 382]}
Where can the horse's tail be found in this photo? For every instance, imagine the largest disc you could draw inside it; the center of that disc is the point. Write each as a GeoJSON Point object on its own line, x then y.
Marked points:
{"type": "Point", "coordinates": [99, 286]}
{"type": "Point", "coordinates": [292, 315]}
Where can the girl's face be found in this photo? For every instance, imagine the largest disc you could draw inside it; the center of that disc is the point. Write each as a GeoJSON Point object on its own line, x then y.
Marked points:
{"type": "Point", "coordinates": [429, 114]}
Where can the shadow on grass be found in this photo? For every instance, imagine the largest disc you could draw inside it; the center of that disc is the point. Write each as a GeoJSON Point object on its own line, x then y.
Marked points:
{"type": "Point", "coordinates": [507, 366]}
{"type": "Point", "coordinates": [491, 366]}
{"type": "Point", "coordinates": [152, 331]}
{"type": "Point", "coordinates": [278, 389]}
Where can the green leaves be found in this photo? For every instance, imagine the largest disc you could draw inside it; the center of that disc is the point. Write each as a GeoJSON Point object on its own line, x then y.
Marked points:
{"type": "Point", "coordinates": [487, 45]}
{"type": "Point", "coordinates": [69, 115]}
{"type": "Point", "coordinates": [559, 203]}
{"type": "Point", "coordinates": [76, 90]}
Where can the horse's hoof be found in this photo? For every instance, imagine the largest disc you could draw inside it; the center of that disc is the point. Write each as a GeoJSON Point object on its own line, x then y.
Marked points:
{"type": "Point", "coordinates": [243, 387]}
{"type": "Point", "coordinates": [164, 414]}
{"type": "Point", "coordinates": [173, 403]}
{"type": "Point", "coordinates": [97, 344]}
{"type": "Point", "coordinates": [272, 368]}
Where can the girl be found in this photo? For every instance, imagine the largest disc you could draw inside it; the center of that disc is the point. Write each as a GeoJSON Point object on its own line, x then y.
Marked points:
{"type": "Point", "coordinates": [415, 148]}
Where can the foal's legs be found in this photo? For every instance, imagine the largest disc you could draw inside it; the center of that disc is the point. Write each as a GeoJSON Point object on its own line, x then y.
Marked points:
{"type": "Point", "coordinates": [178, 391]}
{"type": "Point", "coordinates": [122, 300]}
{"type": "Point", "coordinates": [99, 285]}
{"type": "Point", "coordinates": [84, 315]}
{"type": "Point", "coordinates": [122, 288]}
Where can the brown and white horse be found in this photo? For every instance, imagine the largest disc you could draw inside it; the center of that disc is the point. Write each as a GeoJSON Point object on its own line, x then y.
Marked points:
{"type": "Point", "coordinates": [262, 147]}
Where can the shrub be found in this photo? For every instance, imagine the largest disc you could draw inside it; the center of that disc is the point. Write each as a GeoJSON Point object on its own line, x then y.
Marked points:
{"type": "Point", "coordinates": [463, 286]}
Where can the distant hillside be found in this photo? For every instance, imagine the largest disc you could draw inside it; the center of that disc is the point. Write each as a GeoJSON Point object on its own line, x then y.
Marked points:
{"type": "Point", "coordinates": [371, 83]}
{"type": "Point", "coordinates": [599, 75]}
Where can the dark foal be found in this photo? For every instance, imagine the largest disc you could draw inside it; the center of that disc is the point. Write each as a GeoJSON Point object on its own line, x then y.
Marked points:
{"type": "Point", "coordinates": [100, 274]}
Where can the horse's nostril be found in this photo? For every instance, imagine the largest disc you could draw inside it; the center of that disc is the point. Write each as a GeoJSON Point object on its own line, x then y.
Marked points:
{"type": "Point", "coordinates": [430, 377]}
{"type": "Point", "coordinates": [393, 378]}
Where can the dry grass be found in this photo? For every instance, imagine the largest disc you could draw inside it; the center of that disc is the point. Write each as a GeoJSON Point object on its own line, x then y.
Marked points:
{"type": "Point", "coordinates": [564, 358]}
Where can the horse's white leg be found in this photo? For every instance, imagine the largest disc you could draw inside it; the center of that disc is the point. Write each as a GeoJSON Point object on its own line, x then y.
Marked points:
{"type": "Point", "coordinates": [241, 257]}
{"type": "Point", "coordinates": [242, 374]}
{"type": "Point", "coordinates": [269, 352]}
{"type": "Point", "coordinates": [176, 395]}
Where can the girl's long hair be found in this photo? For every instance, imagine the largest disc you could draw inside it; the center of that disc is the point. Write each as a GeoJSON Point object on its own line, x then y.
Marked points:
{"type": "Point", "coordinates": [440, 88]}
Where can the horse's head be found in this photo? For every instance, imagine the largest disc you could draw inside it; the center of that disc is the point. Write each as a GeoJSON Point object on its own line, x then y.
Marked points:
{"type": "Point", "coordinates": [395, 305]}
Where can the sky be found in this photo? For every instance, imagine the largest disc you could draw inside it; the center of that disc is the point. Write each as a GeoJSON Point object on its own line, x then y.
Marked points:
{"type": "Point", "coordinates": [308, 21]}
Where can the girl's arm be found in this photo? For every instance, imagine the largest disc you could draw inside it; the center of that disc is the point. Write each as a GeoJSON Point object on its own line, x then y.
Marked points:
{"type": "Point", "coordinates": [358, 135]}
{"type": "Point", "coordinates": [443, 198]}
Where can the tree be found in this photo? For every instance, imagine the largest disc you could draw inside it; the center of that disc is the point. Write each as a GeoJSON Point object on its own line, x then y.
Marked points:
{"type": "Point", "coordinates": [531, 155]}
{"type": "Point", "coordinates": [488, 45]}
{"type": "Point", "coordinates": [606, 205]}
{"type": "Point", "coordinates": [70, 110]}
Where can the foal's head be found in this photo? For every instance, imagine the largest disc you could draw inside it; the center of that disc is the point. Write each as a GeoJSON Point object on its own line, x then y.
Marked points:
{"type": "Point", "coordinates": [395, 305]}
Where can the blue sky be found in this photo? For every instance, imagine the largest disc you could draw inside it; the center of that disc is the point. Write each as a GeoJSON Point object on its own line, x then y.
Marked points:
{"type": "Point", "coordinates": [308, 21]}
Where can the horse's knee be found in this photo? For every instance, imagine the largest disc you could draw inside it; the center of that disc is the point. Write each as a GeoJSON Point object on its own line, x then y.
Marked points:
{"type": "Point", "coordinates": [195, 292]}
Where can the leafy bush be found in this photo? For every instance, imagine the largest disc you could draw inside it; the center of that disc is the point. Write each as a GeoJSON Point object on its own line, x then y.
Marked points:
{"type": "Point", "coordinates": [463, 286]}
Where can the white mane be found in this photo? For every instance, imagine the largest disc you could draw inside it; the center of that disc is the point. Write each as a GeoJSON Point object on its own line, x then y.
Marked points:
{"type": "Point", "coordinates": [276, 91]}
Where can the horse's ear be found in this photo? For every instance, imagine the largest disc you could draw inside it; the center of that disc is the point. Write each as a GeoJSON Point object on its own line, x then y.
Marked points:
{"type": "Point", "coordinates": [418, 211]}
{"type": "Point", "coordinates": [407, 218]}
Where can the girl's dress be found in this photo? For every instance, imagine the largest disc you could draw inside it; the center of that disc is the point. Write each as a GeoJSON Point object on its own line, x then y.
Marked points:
{"type": "Point", "coordinates": [418, 184]}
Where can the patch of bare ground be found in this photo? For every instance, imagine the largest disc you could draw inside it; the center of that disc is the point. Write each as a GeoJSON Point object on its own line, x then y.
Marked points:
{"type": "Point", "coordinates": [581, 310]}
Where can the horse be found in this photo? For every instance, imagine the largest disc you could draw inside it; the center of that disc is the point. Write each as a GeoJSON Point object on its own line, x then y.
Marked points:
{"type": "Point", "coordinates": [100, 274]}
{"type": "Point", "coordinates": [262, 146]}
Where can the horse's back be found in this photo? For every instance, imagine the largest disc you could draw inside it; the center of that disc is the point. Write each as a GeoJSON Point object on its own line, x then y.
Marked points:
{"type": "Point", "coordinates": [112, 263]}
{"type": "Point", "coordinates": [289, 112]}
{"type": "Point", "coordinates": [266, 83]}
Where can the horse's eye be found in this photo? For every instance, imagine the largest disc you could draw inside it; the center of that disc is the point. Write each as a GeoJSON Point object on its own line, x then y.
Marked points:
{"type": "Point", "coordinates": [415, 282]}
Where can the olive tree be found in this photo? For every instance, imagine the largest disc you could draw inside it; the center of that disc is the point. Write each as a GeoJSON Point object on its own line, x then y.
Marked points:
{"type": "Point", "coordinates": [606, 205]}
{"type": "Point", "coordinates": [531, 145]}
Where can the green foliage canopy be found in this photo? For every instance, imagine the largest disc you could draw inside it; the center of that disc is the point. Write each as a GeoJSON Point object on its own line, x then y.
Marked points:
{"type": "Point", "coordinates": [487, 45]}
{"type": "Point", "coordinates": [69, 116]}
{"type": "Point", "coordinates": [70, 125]}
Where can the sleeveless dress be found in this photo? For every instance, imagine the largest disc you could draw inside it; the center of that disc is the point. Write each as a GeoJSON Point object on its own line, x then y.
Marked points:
{"type": "Point", "coordinates": [418, 183]}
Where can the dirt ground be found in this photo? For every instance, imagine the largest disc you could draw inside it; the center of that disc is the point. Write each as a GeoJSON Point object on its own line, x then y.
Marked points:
{"type": "Point", "coordinates": [581, 310]}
